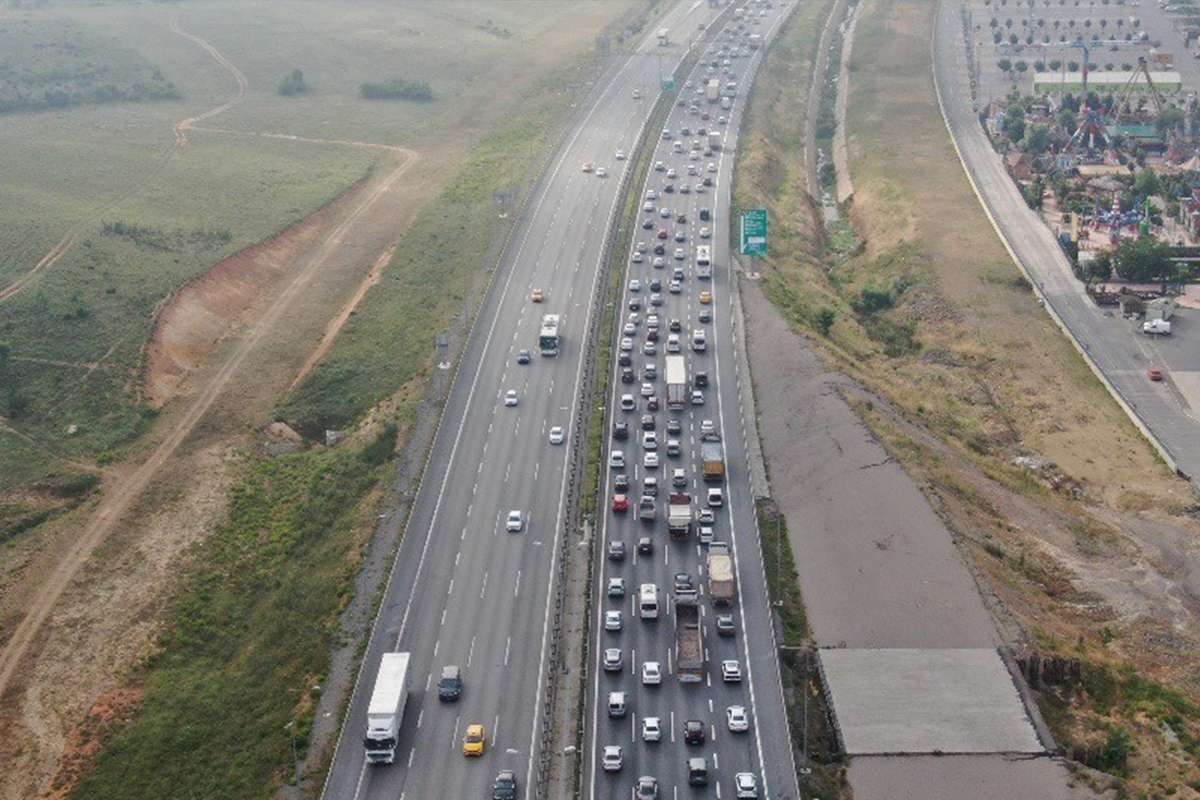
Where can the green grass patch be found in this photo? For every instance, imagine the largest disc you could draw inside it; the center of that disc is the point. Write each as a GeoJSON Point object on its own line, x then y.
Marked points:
{"type": "Point", "coordinates": [782, 579]}
{"type": "Point", "coordinates": [250, 633]}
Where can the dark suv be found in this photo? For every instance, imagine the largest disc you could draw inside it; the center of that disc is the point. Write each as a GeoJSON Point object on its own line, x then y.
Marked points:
{"type": "Point", "coordinates": [450, 686]}
{"type": "Point", "coordinates": [505, 787]}
{"type": "Point", "coordinates": [693, 731]}
{"type": "Point", "coordinates": [620, 431]}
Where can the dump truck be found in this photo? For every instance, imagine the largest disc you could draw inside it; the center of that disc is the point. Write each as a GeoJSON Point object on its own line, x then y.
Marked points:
{"type": "Point", "coordinates": [386, 709]}
{"type": "Point", "coordinates": [721, 586]}
{"type": "Point", "coordinates": [677, 398]}
{"type": "Point", "coordinates": [679, 515]}
{"type": "Point", "coordinates": [713, 456]}
{"type": "Point", "coordinates": [713, 90]}
{"type": "Point", "coordinates": [689, 641]}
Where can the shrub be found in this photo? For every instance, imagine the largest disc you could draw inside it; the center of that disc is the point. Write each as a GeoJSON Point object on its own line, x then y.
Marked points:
{"type": "Point", "coordinates": [293, 84]}
{"type": "Point", "coordinates": [825, 319]}
{"type": "Point", "coordinates": [396, 89]}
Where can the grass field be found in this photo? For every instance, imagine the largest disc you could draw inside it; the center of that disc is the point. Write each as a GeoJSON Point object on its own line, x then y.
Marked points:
{"type": "Point", "coordinates": [917, 299]}
{"type": "Point", "coordinates": [79, 330]}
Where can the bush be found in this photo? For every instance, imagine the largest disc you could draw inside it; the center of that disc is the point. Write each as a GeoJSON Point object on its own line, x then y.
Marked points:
{"type": "Point", "coordinates": [872, 301]}
{"type": "Point", "coordinates": [825, 319]}
{"type": "Point", "coordinates": [396, 89]}
{"type": "Point", "coordinates": [293, 84]}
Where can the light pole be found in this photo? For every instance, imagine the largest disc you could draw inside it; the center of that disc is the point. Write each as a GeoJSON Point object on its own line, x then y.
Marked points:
{"type": "Point", "coordinates": [291, 729]}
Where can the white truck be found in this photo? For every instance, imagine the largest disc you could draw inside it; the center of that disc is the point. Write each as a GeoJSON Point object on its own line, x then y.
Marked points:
{"type": "Point", "coordinates": [679, 515]}
{"type": "Point", "coordinates": [721, 586]}
{"type": "Point", "coordinates": [714, 140]}
{"type": "Point", "coordinates": [386, 709]}
{"type": "Point", "coordinates": [1157, 327]}
{"type": "Point", "coordinates": [677, 394]}
{"type": "Point", "coordinates": [704, 262]}
{"type": "Point", "coordinates": [712, 90]}
{"type": "Point", "coordinates": [664, 37]}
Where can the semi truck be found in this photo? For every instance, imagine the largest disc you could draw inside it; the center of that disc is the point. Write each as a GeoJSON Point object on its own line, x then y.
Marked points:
{"type": "Point", "coordinates": [679, 515]}
{"type": "Point", "coordinates": [713, 456]}
{"type": "Point", "coordinates": [721, 586]}
{"type": "Point", "coordinates": [664, 37]}
{"type": "Point", "coordinates": [386, 709]}
{"type": "Point", "coordinates": [677, 394]}
{"type": "Point", "coordinates": [689, 640]}
{"type": "Point", "coordinates": [712, 91]}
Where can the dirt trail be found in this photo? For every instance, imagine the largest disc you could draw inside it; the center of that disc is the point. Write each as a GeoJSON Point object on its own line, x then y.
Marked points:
{"type": "Point", "coordinates": [184, 125]}
{"type": "Point", "coordinates": [120, 497]}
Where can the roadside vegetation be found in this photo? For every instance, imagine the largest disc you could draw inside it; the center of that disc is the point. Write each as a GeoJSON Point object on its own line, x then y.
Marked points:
{"type": "Point", "coordinates": [248, 640]}
{"type": "Point", "coordinates": [1054, 494]}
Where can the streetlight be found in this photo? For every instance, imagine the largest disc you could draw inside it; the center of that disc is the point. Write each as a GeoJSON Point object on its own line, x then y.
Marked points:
{"type": "Point", "coordinates": [291, 728]}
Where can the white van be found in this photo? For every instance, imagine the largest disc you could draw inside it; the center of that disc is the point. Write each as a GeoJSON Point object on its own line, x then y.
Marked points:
{"type": "Point", "coordinates": [648, 601]}
{"type": "Point", "coordinates": [616, 704]}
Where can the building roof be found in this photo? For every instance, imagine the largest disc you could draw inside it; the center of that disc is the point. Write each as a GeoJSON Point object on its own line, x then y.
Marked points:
{"type": "Point", "coordinates": [1166, 80]}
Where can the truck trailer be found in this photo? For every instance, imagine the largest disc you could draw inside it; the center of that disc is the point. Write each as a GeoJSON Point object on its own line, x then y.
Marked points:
{"type": "Point", "coordinates": [712, 91]}
{"type": "Point", "coordinates": [721, 586]}
{"type": "Point", "coordinates": [677, 398]}
{"type": "Point", "coordinates": [679, 515]}
{"type": "Point", "coordinates": [386, 709]}
{"type": "Point", "coordinates": [689, 640]}
{"type": "Point", "coordinates": [713, 456]}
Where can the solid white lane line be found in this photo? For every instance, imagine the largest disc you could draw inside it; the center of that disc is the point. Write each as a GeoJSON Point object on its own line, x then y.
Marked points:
{"type": "Point", "coordinates": [471, 651]}
{"type": "Point", "coordinates": [517, 586]}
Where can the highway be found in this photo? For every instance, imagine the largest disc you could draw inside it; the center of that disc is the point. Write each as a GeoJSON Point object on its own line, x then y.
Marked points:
{"type": "Point", "coordinates": [1120, 354]}
{"type": "Point", "coordinates": [764, 750]}
{"type": "Point", "coordinates": [465, 591]}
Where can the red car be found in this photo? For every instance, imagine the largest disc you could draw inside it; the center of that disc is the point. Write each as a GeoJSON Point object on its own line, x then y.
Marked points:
{"type": "Point", "coordinates": [662, 233]}
{"type": "Point", "coordinates": [1154, 374]}
{"type": "Point", "coordinates": [620, 503]}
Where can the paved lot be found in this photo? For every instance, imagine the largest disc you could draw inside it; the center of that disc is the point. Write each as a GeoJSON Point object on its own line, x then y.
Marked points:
{"type": "Point", "coordinates": [926, 701]}
{"type": "Point", "coordinates": [1121, 355]}
{"type": "Point", "coordinates": [993, 777]}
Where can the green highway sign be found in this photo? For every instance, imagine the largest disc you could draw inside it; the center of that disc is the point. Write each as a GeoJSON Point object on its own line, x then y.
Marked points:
{"type": "Point", "coordinates": [668, 84]}
{"type": "Point", "coordinates": [754, 232]}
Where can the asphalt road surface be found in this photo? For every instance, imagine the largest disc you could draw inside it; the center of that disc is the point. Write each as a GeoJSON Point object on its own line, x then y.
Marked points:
{"type": "Point", "coordinates": [1122, 355]}
{"type": "Point", "coordinates": [465, 591]}
{"type": "Point", "coordinates": [764, 750]}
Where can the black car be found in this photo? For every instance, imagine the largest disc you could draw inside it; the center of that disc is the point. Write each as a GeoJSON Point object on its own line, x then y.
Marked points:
{"type": "Point", "coordinates": [616, 551]}
{"type": "Point", "coordinates": [656, 284]}
{"type": "Point", "coordinates": [683, 582]}
{"type": "Point", "coordinates": [701, 379]}
{"type": "Point", "coordinates": [674, 326]}
{"type": "Point", "coordinates": [649, 224]}
{"type": "Point", "coordinates": [621, 483]}
{"type": "Point", "coordinates": [625, 360]}
{"type": "Point", "coordinates": [450, 686]}
{"type": "Point", "coordinates": [707, 180]}
{"type": "Point", "coordinates": [645, 546]}
{"type": "Point", "coordinates": [660, 249]}
{"type": "Point", "coordinates": [627, 375]}
{"type": "Point", "coordinates": [693, 732]}
{"type": "Point", "coordinates": [725, 625]}
{"type": "Point", "coordinates": [620, 431]}
{"type": "Point", "coordinates": [505, 787]}
{"type": "Point", "coordinates": [648, 423]}
{"type": "Point", "coordinates": [681, 218]}
{"type": "Point", "coordinates": [674, 426]}
{"type": "Point", "coordinates": [635, 304]}
{"type": "Point", "coordinates": [705, 215]}
{"type": "Point", "coordinates": [669, 188]}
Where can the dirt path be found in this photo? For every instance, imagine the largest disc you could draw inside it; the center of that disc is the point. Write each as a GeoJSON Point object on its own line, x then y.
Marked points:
{"type": "Point", "coordinates": [120, 497]}
{"type": "Point", "coordinates": [184, 125]}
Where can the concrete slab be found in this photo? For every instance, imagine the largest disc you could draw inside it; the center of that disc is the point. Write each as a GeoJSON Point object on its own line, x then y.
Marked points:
{"type": "Point", "coordinates": [926, 701]}
{"type": "Point", "coordinates": [1188, 384]}
{"type": "Point", "coordinates": [995, 777]}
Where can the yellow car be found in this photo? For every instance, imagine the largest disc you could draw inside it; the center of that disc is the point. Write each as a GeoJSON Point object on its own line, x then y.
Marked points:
{"type": "Point", "coordinates": [705, 297]}
{"type": "Point", "coordinates": [473, 742]}
{"type": "Point", "coordinates": [537, 296]}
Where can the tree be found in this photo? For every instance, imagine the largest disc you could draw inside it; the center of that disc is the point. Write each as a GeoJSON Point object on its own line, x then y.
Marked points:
{"type": "Point", "coordinates": [1146, 184]}
{"type": "Point", "coordinates": [293, 84]}
{"type": "Point", "coordinates": [1068, 121]}
{"type": "Point", "coordinates": [1170, 119]}
{"type": "Point", "coordinates": [1103, 23]}
{"type": "Point", "coordinates": [1039, 66]}
{"type": "Point", "coordinates": [1004, 65]}
{"type": "Point", "coordinates": [1014, 39]}
{"type": "Point", "coordinates": [1037, 139]}
{"type": "Point", "coordinates": [1109, 66]}
{"type": "Point", "coordinates": [1014, 123]}
{"type": "Point", "coordinates": [1072, 66]}
{"type": "Point", "coordinates": [1021, 66]}
{"type": "Point", "coordinates": [1008, 23]}
{"type": "Point", "coordinates": [1055, 64]}
{"type": "Point", "coordinates": [997, 37]}
{"type": "Point", "coordinates": [1143, 260]}
{"type": "Point", "coordinates": [995, 23]}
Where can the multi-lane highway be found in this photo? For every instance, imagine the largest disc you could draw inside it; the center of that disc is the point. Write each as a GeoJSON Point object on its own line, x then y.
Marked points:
{"type": "Point", "coordinates": [683, 158]}
{"type": "Point", "coordinates": [465, 591]}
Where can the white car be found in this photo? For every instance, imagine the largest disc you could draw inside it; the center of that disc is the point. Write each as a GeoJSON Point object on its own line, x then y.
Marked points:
{"type": "Point", "coordinates": [704, 234]}
{"type": "Point", "coordinates": [613, 660]}
{"type": "Point", "coordinates": [674, 287]}
{"type": "Point", "coordinates": [673, 343]}
{"type": "Point", "coordinates": [650, 460]}
{"type": "Point", "coordinates": [685, 188]}
{"type": "Point", "coordinates": [635, 285]}
{"type": "Point", "coordinates": [697, 398]}
{"type": "Point", "coordinates": [651, 194]}
{"type": "Point", "coordinates": [616, 459]}
{"type": "Point", "coordinates": [731, 671]}
{"type": "Point", "coordinates": [601, 172]}
{"type": "Point", "coordinates": [651, 673]}
{"type": "Point", "coordinates": [626, 345]}
{"type": "Point", "coordinates": [650, 440]}
{"type": "Point", "coordinates": [746, 786]}
{"type": "Point", "coordinates": [692, 169]}
{"type": "Point", "coordinates": [680, 254]}
{"type": "Point", "coordinates": [648, 207]}
{"type": "Point", "coordinates": [672, 174]}
{"type": "Point", "coordinates": [651, 729]}
{"type": "Point", "coordinates": [510, 397]}
{"type": "Point", "coordinates": [707, 427]}
{"type": "Point", "coordinates": [637, 258]}
{"type": "Point", "coordinates": [616, 587]}
{"type": "Point", "coordinates": [658, 262]}
{"type": "Point", "coordinates": [647, 389]}
{"type": "Point", "coordinates": [613, 760]}
{"type": "Point", "coordinates": [628, 403]}
{"type": "Point", "coordinates": [613, 621]}
{"type": "Point", "coordinates": [620, 155]}
{"type": "Point", "coordinates": [629, 330]}
{"type": "Point", "coordinates": [556, 435]}
{"type": "Point", "coordinates": [735, 718]}
{"type": "Point", "coordinates": [712, 167]}
{"type": "Point", "coordinates": [515, 522]}
{"type": "Point", "coordinates": [642, 247]}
